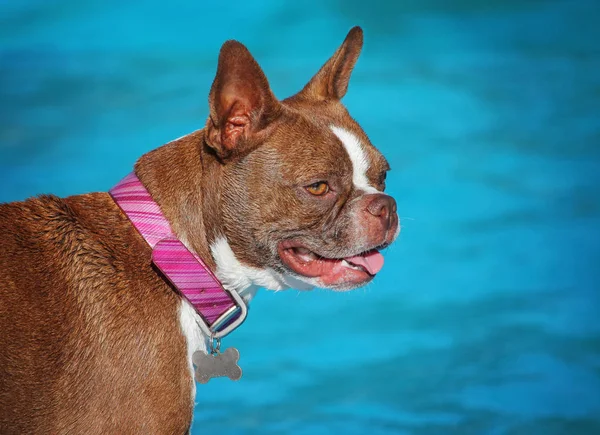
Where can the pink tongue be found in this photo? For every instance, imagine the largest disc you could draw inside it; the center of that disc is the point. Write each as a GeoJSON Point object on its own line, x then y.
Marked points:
{"type": "Point", "coordinates": [372, 261]}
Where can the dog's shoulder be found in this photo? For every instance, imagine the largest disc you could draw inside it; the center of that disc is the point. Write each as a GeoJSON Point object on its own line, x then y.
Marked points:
{"type": "Point", "coordinates": [80, 237]}
{"type": "Point", "coordinates": [50, 223]}
{"type": "Point", "coordinates": [45, 213]}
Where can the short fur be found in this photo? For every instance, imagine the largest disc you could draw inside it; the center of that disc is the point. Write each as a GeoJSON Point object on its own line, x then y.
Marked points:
{"type": "Point", "coordinates": [91, 340]}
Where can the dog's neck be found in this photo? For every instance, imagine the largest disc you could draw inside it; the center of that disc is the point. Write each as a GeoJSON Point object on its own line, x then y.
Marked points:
{"type": "Point", "coordinates": [183, 177]}
{"type": "Point", "coordinates": [175, 174]}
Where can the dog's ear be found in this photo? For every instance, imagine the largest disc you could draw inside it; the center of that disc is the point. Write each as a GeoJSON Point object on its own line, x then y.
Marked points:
{"type": "Point", "coordinates": [241, 103]}
{"type": "Point", "coordinates": [331, 82]}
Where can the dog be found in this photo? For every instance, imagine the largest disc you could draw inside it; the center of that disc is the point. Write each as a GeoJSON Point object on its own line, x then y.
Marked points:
{"type": "Point", "coordinates": [96, 332]}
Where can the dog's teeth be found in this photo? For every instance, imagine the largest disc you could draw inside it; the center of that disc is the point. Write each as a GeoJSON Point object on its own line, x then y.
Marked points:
{"type": "Point", "coordinates": [305, 254]}
{"type": "Point", "coordinates": [351, 266]}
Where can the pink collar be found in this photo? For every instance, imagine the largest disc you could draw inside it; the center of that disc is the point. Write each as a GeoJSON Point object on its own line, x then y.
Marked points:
{"type": "Point", "coordinates": [221, 311]}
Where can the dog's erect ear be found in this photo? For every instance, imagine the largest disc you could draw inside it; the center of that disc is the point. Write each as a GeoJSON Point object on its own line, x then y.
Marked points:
{"type": "Point", "coordinates": [331, 82]}
{"type": "Point", "coordinates": [241, 103]}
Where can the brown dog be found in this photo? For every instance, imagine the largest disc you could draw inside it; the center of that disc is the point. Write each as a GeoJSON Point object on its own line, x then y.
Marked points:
{"type": "Point", "coordinates": [269, 194]}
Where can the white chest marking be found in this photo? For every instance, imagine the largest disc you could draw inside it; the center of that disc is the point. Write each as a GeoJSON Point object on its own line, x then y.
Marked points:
{"type": "Point", "coordinates": [188, 319]}
{"type": "Point", "coordinates": [358, 157]}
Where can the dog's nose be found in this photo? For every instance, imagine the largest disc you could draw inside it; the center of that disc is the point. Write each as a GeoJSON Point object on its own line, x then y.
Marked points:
{"type": "Point", "coordinates": [382, 206]}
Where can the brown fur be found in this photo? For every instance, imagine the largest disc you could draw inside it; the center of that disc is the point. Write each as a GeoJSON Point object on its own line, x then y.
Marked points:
{"type": "Point", "coordinates": [91, 341]}
{"type": "Point", "coordinates": [79, 353]}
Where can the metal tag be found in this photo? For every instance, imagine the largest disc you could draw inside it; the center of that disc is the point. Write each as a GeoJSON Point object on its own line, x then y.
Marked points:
{"type": "Point", "coordinates": [215, 364]}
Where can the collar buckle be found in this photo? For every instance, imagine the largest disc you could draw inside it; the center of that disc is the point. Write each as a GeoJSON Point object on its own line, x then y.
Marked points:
{"type": "Point", "coordinates": [228, 321]}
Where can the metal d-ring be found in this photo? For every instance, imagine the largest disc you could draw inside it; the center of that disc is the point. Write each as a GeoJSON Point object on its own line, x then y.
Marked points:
{"type": "Point", "coordinates": [214, 350]}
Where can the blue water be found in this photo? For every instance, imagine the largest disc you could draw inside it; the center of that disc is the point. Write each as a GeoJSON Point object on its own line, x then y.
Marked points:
{"type": "Point", "coordinates": [486, 317]}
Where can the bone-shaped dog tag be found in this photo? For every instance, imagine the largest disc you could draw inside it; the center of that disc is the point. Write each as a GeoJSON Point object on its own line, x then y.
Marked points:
{"type": "Point", "coordinates": [215, 365]}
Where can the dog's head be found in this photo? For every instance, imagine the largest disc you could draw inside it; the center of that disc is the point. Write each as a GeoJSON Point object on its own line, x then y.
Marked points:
{"type": "Point", "coordinates": [302, 200]}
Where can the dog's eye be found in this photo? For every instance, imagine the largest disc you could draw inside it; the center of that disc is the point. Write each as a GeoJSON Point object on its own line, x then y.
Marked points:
{"type": "Point", "coordinates": [319, 188]}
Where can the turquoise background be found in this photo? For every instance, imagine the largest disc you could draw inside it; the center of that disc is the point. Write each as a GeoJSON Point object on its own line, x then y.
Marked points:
{"type": "Point", "coordinates": [485, 318]}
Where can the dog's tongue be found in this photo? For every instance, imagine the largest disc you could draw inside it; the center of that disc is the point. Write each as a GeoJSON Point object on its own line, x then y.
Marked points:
{"type": "Point", "coordinates": [372, 261]}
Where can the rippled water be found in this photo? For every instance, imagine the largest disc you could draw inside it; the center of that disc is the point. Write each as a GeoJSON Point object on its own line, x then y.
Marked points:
{"type": "Point", "coordinates": [485, 318]}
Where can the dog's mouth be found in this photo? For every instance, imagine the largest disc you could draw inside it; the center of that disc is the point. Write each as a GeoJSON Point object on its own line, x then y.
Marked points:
{"type": "Point", "coordinates": [340, 273]}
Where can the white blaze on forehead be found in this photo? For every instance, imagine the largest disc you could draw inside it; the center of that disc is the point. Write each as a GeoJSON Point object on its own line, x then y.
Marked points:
{"type": "Point", "coordinates": [358, 157]}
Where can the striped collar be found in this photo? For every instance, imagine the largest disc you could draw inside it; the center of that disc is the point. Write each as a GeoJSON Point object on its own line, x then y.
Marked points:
{"type": "Point", "coordinates": [221, 310]}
